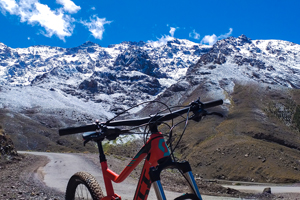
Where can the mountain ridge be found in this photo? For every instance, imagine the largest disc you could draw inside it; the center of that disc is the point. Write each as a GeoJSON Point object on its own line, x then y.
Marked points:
{"type": "Point", "coordinates": [122, 75]}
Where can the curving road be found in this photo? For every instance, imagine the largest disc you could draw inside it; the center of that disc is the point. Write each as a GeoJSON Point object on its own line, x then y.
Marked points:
{"type": "Point", "coordinates": [62, 166]}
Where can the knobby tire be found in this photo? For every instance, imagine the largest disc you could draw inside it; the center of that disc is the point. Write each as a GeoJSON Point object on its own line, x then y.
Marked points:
{"type": "Point", "coordinates": [83, 181]}
{"type": "Point", "coordinates": [187, 197]}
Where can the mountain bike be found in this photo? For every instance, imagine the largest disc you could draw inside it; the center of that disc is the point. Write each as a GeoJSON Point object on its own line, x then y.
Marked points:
{"type": "Point", "coordinates": [157, 154]}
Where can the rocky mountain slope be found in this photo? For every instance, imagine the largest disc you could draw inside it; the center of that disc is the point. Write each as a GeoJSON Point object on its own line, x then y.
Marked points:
{"type": "Point", "coordinates": [46, 88]}
{"type": "Point", "coordinates": [258, 139]}
{"type": "Point", "coordinates": [114, 78]}
{"type": "Point", "coordinates": [52, 87]}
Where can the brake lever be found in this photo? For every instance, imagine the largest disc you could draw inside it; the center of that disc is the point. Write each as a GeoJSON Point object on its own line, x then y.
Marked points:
{"type": "Point", "coordinates": [199, 115]}
{"type": "Point", "coordinates": [86, 141]}
{"type": "Point", "coordinates": [92, 136]}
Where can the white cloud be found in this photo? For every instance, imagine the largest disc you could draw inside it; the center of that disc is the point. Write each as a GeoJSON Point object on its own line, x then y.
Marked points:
{"type": "Point", "coordinates": [194, 35]}
{"type": "Point", "coordinates": [55, 22]}
{"type": "Point", "coordinates": [226, 35]}
{"type": "Point", "coordinates": [8, 6]}
{"type": "Point", "coordinates": [96, 26]}
{"type": "Point", "coordinates": [172, 31]}
{"type": "Point", "coordinates": [212, 39]}
{"type": "Point", "coordinates": [164, 39]}
{"type": "Point", "coordinates": [69, 6]}
{"type": "Point", "coordinates": [161, 41]}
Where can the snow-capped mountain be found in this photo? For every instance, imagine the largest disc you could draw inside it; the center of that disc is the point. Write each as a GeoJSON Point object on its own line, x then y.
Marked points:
{"type": "Point", "coordinates": [241, 60]}
{"type": "Point", "coordinates": [95, 81]}
{"type": "Point", "coordinates": [45, 88]}
{"type": "Point", "coordinates": [114, 77]}
{"type": "Point", "coordinates": [268, 61]}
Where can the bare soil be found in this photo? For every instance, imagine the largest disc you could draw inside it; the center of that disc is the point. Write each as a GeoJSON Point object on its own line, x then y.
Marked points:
{"type": "Point", "coordinates": [19, 179]}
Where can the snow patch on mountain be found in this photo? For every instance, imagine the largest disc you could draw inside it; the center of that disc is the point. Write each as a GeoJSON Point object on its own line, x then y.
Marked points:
{"type": "Point", "coordinates": [35, 99]}
{"type": "Point", "coordinates": [240, 60]}
{"type": "Point", "coordinates": [119, 76]}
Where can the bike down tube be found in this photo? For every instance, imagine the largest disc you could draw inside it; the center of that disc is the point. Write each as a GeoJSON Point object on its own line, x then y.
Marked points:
{"type": "Point", "coordinates": [157, 152]}
{"type": "Point", "coordinates": [109, 175]}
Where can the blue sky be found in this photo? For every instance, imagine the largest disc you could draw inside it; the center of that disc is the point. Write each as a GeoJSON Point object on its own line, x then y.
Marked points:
{"type": "Point", "coordinates": [67, 23]}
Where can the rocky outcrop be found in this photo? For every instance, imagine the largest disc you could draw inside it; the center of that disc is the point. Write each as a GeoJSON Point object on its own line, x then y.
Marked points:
{"type": "Point", "coordinates": [7, 149]}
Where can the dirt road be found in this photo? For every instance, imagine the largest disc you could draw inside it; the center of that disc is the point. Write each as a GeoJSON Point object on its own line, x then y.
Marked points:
{"type": "Point", "coordinates": [275, 189]}
{"type": "Point", "coordinates": [62, 166]}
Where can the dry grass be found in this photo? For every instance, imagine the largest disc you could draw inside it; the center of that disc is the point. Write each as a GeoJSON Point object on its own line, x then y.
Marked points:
{"type": "Point", "coordinates": [251, 143]}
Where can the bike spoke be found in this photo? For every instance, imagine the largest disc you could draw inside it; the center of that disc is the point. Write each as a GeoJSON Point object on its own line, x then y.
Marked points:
{"type": "Point", "coordinates": [82, 193]}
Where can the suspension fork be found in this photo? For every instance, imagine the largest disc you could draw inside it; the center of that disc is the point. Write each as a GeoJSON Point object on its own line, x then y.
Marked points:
{"type": "Point", "coordinates": [184, 167]}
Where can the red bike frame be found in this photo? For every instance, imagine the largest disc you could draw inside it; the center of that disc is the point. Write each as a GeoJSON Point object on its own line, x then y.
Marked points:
{"type": "Point", "coordinates": [154, 150]}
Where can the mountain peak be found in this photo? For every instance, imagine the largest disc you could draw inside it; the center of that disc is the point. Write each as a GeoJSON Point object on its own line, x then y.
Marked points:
{"type": "Point", "coordinates": [140, 43]}
{"type": "Point", "coordinates": [2, 46]}
{"type": "Point", "coordinates": [244, 39]}
{"type": "Point", "coordinates": [89, 44]}
{"type": "Point", "coordinates": [174, 40]}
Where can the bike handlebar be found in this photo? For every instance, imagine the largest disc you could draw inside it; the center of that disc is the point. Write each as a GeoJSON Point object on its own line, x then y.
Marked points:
{"type": "Point", "coordinates": [80, 129]}
{"type": "Point", "coordinates": [195, 107]}
{"type": "Point", "coordinates": [212, 104]}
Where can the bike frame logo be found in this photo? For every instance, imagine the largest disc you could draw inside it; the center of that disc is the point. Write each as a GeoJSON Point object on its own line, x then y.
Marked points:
{"type": "Point", "coordinates": [163, 147]}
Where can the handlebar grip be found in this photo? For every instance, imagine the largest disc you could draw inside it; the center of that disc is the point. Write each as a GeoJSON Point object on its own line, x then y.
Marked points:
{"type": "Point", "coordinates": [212, 104]}
{"type": "Point", "coordinates": [80, 129]}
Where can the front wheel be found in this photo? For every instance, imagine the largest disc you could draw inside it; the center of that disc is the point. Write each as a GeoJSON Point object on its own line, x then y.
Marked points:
{"type": "Point", "coordinates": [187, 197]}
{"type": "Point", "coordinates": [83, 185]}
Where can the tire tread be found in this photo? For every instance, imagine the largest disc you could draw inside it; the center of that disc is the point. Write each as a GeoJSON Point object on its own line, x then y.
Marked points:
{"type": "Point", "coordinates": [89, 181]}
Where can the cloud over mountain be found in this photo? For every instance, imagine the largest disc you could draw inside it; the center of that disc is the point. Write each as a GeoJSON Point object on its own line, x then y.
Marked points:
{"type": "Point", "coordinates": [96, 26]}
{"type": "Point", "coordinates": [212, 39]}
{"type": "Point", "coordinates": [56, 21]}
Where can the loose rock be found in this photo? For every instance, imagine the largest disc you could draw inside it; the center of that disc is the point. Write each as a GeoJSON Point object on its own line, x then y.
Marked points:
{"type": "Point", "coordinates": [267, 190]}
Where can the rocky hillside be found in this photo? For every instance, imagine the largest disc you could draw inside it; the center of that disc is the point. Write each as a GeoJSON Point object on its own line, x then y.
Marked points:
{"type": "Point", "coordinates": [67, 87]}
{"type": "Point", "coordinates": [7, 149]}
{"type": "Point", "coordinates": [258, 139]}
{"type": "Point", "coordinates": [115, 77]}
